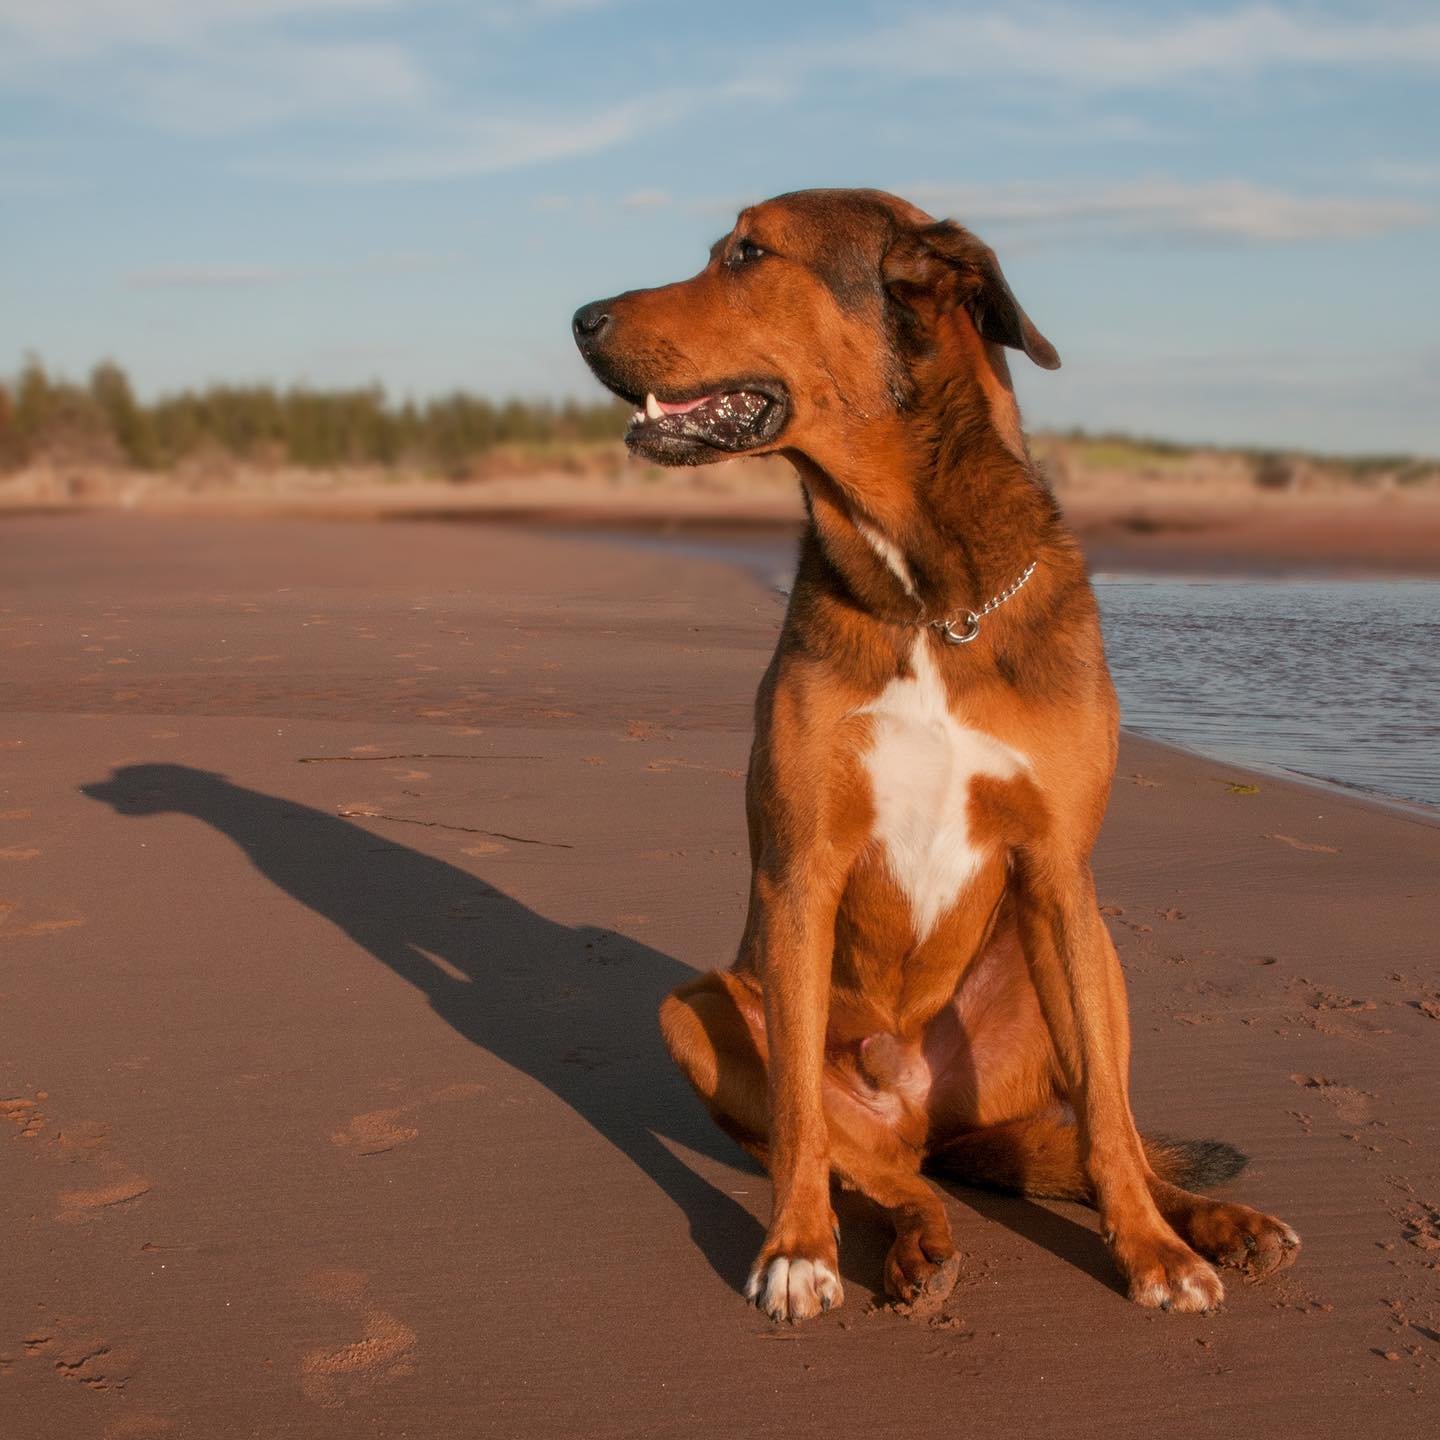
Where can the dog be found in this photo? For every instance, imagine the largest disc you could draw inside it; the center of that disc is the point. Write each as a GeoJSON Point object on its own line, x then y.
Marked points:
{"type": "Point", "coordinates": [925, 982]}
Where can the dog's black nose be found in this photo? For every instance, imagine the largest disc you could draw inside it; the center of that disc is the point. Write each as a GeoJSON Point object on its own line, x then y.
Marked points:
{"type": "Point", "coordinates": [590, 320]}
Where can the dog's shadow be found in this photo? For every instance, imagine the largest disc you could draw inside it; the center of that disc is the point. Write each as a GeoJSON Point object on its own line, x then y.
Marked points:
{"type": "Point", "coordinates": [572, 1007]}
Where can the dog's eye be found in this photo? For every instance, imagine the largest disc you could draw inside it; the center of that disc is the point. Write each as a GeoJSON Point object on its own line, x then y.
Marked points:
{"type": "Point", "coordinates": [746, 252]}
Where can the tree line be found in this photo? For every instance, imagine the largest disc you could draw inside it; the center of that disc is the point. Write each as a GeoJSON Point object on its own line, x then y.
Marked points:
{"type": "Point", "coordinates": [45, 417]}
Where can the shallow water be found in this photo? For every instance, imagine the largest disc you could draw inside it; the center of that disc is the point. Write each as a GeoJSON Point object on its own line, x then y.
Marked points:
{"type": "Point", "coordinates": [1335, 679]}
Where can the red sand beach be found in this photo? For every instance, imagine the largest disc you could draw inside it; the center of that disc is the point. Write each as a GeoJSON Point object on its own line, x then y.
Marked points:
{"type": "Point", "coordinates": [341, 870]}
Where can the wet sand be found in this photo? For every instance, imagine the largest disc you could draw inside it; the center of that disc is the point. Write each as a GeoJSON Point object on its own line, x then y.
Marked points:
{"type": "Point", "coordinates": [341, 870]}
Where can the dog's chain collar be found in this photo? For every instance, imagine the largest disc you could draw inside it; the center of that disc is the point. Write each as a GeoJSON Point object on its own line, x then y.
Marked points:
{"type": "Point", "coordinates": [961, 629]}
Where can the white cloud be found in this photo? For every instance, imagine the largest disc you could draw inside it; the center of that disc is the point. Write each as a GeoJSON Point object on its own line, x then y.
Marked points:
{"type": "Point", "coordinates": [521, 10]}
{"type": "Point", "coordinates": [406, 262]}
{"type": "Point", "coordinates": [1413, 174]}
{"type": "Point", "coordinates": [217, 67]}
{"type": "Point", "coordinates": [224, 66]}
{"type": "Point", "coordinates": [252, 277]}
{"type": "Point", "coordinates": [646, 200]}
{"type": "Point", "coordinates": [204, 66]}
{"type": "Point", "coordinates": [1123, 50]}
{"type": "Point", "coordinates": [60, 27]}
{"type": "Point", "coordinates": [207, 277]}
{"type": "Point", "coordinates": [480, 145]}
{"type": "Point", "coordinates": [1207, 210]}
{"type": "Point", "coordinates": [247, 86]}
{"type": "Point", "coordinates": [1033, 212]}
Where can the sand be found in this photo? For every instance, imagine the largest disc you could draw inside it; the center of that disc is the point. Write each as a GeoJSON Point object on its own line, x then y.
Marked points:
{"type": "Point", "coordinates": [341, 869]}
{"type": "Point", "coordinates": [1205, 518]}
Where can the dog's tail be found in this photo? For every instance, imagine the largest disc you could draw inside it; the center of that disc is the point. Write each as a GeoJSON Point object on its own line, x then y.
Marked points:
{"type": "Point", "coordinates": [1040, 1156]}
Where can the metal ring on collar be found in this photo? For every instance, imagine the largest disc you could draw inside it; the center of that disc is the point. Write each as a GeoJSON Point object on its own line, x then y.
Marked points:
{"type": "Point", "coordinates": [970, 620]}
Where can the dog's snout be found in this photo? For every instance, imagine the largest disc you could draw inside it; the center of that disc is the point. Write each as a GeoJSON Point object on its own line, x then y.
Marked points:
{"type": "Point", "coordinates": [590, 322]}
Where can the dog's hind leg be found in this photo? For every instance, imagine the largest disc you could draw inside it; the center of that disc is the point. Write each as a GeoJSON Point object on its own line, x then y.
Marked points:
{"type": "Point", "coordinates": [999, 1119]}
{"type": "Point", "coordinates": [1039, 1155]}
{"type": "Point", "coordinates": [714, 1027]}
{"type": "Point", "coordinates": [1224, 1231]}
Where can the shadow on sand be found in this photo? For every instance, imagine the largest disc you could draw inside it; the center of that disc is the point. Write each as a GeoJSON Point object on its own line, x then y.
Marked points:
{"type": "Point", "coordinates": [574, 1008]}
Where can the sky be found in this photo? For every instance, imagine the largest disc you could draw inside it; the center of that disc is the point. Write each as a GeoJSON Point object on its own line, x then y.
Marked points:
{"type": "Point", "coordinates": [1225, 216]}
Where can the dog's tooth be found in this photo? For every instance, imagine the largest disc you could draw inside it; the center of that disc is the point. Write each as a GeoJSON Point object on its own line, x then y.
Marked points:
{"type": "Point", "coordinates": [637, 417]}
{"type": "Point", "coordinates": [652, 407]}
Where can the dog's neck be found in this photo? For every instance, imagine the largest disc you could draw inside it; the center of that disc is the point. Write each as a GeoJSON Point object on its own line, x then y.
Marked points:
{"type": "Point", "coordinates": [973, 514]}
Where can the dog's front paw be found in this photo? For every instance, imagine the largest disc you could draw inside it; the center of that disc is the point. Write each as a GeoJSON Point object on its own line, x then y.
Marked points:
{"type": "Point", "coordinates": [1166, 1274]}
{"type": "Point", "coordinates": [794, 1287]}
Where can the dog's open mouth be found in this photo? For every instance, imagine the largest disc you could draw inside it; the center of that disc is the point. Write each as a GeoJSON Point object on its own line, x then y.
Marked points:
{"type": "Point", "coordinates": [683, 431]}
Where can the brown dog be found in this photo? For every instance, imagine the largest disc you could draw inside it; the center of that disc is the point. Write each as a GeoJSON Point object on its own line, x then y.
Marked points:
{"type": "Point", "coordinates": [925, 981]}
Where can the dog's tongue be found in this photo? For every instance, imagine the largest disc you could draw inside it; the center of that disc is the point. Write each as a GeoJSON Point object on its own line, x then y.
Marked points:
{"type": "Point", "coordinates": [655, 408]}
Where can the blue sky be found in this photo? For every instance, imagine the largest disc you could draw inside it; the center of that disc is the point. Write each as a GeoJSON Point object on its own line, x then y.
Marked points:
{"type": "Point", "coordinates": [1226, 217]}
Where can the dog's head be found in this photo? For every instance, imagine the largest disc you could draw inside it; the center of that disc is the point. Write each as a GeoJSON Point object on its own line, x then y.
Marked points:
{"type": "Point", "coordinates": [806, 327]}
{"type": "Point", "coordinates": [158, 789]}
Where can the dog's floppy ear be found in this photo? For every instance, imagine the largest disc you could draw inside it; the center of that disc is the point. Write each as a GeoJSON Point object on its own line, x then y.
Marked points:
{"type": "Point", "coordinates": [947, 264]}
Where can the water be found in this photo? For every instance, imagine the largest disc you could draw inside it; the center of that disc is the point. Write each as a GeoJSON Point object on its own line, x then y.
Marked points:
{"type": "Point", "coordinates": [1335, 679]}
{"type": "Point", "coordinates": [1339, 680]}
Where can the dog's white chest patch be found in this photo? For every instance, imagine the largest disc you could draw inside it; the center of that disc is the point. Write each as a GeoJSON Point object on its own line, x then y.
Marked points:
{"type": "Point", "coordinates": [921, 764]}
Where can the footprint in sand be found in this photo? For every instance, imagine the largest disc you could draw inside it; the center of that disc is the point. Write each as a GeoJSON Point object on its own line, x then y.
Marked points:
{"type": "Point", "coordinates": [386, 1349]}
{"type": "Point", "coordinates": [1350, 1104]}
{"type": "Point", "coordinates": [24, 1114]}
{"type": "Point", "coordinates": [378, 1131]}
{"type": "Point", "coordinates": [1310, 846]}
{"type": "Point", "coordinates": [92, 1363]}
{"type": "Point", "coordinates": [80, 1205]}
{"type": "Point", "coordinates": [76, 1140]}
{"type": "Point", "coordinates": [10, 931]}
{"type": "Point", "coordinates": [78, 1354]}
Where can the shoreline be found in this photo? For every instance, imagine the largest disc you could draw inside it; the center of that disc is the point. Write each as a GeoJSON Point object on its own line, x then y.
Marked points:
{"type": "Point", "coordinates": [751, 566]}
{"type": "Point", "coordinates": [1416, 811]}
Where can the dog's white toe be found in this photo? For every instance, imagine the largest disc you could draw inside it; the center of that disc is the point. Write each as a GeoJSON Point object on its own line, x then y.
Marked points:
{"type": "Point", "coordinates": [794, 1288]}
